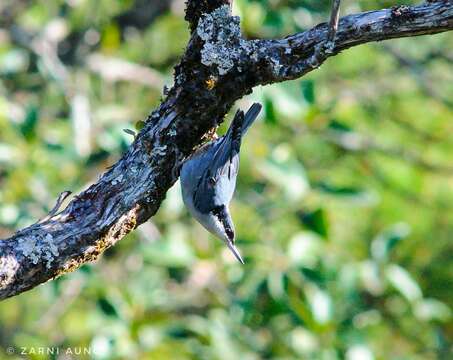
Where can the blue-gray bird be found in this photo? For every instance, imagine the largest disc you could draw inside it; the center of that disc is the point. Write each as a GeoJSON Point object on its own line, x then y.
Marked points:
{"type": "Point", "coordinates": [208, 179]}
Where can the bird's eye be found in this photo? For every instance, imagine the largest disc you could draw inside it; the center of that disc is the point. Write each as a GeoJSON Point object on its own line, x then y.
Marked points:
{"type": "Point", "coordinates": [212, 181]}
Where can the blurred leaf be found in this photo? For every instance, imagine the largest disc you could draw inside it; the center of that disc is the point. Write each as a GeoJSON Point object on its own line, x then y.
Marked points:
{"type": "Point", "coordinates": [276, 285]}
{"type": "Point", "coordinates": [173, 251]}
{"type": "Point", "coordinates": [14, 61]}
{"type": "Point", "coordinates": [102, 346]}
{"type": "Point", "coordinates": [166, 39]}
{"type": "Point", "coordinates": [139, 125]}
{"type": "Point", "coordinates": [338, 190]}
{"type": "Point", "coordinates": [304, 342]}
{"type": "Point", "coordinates": [316, 221]}
{"type": "Point", "coordinates": [314, 275]}
{"type": "Point", "coordinates": [111, 37]}
{"type": "Point", "coordinates": [97, 157]}
{"type": "Point", "coordinates": [432, 309]}
{"type": "Point", "coordinates": [270, 117]}
{"type": "Point", "coordinates": [356, 194]}
{"type": "Point", "coordinates": [383, 244]}
{"type": "Point", "coordinates": [299, 306]}
{"type": "Point", "coordinates": [107, 307]}
{"type": "Point", "coordinates": [304, 249]}
{"type": "Point", "coordinates": [338, 126]}
{"type": "Point", "coordinates": [273, 19]}
{"type": "Point", "coordinates": [8, 214]}
{"type": "Point", "coordinates": [308, 90]}
{"type": "Point", "coordinates": [286, 172]}
{"type": "Point", "coordinates": [8, 154]}
{"type": "Point", "coordinates": [286, 102]}
{"type": "Point", "coordinates": [28, 127]}
{"type": "Point", "coordinates": [370, 276]}
{"type": "Point", "coordinates": [403, 282]}
{"type": "Point", "coordinates": [359, 352]}
{"type": "Point", "coordinates": [320, 304]}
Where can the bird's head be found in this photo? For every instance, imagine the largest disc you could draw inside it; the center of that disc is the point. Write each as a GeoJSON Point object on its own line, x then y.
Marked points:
{"type": "Point", "coordinates": [219, 223]}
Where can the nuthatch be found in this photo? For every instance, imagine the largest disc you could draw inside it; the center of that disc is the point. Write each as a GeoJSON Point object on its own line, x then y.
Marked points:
{"type": "Point", "coordinates": [208, 179]}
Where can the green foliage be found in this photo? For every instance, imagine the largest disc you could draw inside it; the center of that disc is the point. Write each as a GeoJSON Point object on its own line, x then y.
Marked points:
{"type": "Point", "coordinates": [343, 205]}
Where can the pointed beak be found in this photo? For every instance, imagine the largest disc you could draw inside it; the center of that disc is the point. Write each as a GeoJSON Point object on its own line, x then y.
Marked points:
{"type": "Point", "coordinates": [235, 252]}
{"type": "Point", "coordinates": [223, 216]}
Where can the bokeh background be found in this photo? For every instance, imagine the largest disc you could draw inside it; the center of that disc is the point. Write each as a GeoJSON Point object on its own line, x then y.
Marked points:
{"type": "Point", "coordinates": [343, 207]}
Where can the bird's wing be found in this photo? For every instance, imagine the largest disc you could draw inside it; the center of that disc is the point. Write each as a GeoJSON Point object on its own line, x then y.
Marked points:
{"type": "Point", "coordinates": [226, 159]}
{"type": "Point", "coordinates": [214, 185]}
{"type": "Point", "coordinates": [217, 183]}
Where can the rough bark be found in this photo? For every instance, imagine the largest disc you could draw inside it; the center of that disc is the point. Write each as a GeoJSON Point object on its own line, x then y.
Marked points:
{"type": "Point", "coordinates": [196, 9]}
{"type": "Point", "coordinates": [217, 68]}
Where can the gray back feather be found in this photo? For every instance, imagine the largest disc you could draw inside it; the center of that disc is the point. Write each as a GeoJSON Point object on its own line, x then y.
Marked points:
{"type": "Point", "coordinates": [217, 179]}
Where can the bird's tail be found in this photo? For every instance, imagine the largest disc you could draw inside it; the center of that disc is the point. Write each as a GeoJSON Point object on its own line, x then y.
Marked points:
{"type": "Point", "coordinates": [239, 126]}
{"type": "Point", "coordinates": [250, 116]}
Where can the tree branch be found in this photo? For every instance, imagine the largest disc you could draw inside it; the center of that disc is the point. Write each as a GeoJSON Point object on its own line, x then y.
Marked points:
{"type": "Point", "coordinates": [196, 8]}
{"type": "Point", "coordinates": [299, 54]}
{"type": "Point", "coordinates": [217, 68]}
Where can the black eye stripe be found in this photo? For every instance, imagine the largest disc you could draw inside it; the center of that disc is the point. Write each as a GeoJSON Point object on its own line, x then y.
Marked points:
{"type": "Point", "coordinates": [220, 213]}
{"type": "Point", "coordinates": [217, 211]}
